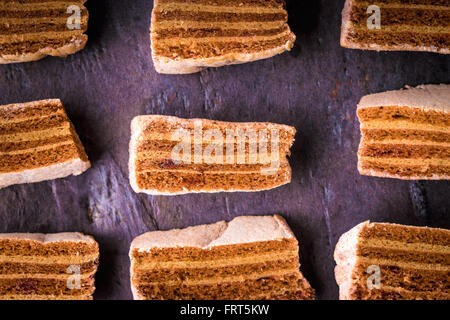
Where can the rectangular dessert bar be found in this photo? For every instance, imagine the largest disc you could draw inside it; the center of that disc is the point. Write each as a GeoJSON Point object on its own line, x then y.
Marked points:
{"type": "Point", "coordinates": [248, 258]}
{"type": "Point", "coordinates": [37, 143]}
{"type": "Point", "coordinates": [406, 133]}
{"type": "Point", "coordinates": [35, 266]}
{"type": "Point", "coordinates": [411, 25]}
{"type": "Point", "coordinates": [190, 35]}
{"type": "Point", "coordinates": [31, 30]}
{"type": "Point", "coordinates": [383, 261]}
{"type": "Point", "coordinates": [170, 156]}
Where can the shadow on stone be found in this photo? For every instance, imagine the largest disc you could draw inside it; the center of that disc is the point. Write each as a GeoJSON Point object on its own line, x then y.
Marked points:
{"type": "Point", "coordinates": [303, 19]}
{"type": "Point", "coordinates": [98, 19]}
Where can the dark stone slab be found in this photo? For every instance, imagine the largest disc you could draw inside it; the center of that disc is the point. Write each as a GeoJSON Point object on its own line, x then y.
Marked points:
{"type": "Point", "coordinates": [315, 88]}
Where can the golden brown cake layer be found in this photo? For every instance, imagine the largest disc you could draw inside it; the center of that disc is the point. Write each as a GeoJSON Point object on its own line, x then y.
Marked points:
{"type": "Point", "coordinates": [32, 286]}
{"type": "Point", "coordinates": [24, 145]}
{"type": "Point", "coordinates": [163, 127]}
{"type": "Point", "coordinates": [188, 36]}
{"type": "Point", "coordinates": [404, 151]}
{"type": "Point", "coordinates": [402, 113]}
{"type": "Point", "coordinates": [406, 133]}
{"type": "Point", "coordinates": [201, 33]}
{"type": "Point", "coordinates": [10, 49]}
{"type": "Point", "coordinates": [414, 2]}
{"type": "Point", "coordinates": [33, 124]}
{"type": "Point", "coordinates": [152, 275]}
{"type": "Point", "coordinates": [33, 29]}
{"type": "Point", "coordinates": [219, 16]}
{"type": "Point", "coordinates": [14, 247]}
{"type": "Point", "coordinates": [208, 48]}
{"type": "Point", "coordinates": [223, 252]}
{"type": "Point", "coordinates": [402, 284]}
{"type": "Point", "coordinates": [417, 39]}
{"type": "Point", "coordinates": [416, 257]}
{"type": "Point", "coordinates": [170, 183]}
{"type": "Point", "coordinates": [37, 159]}
{"type": "Point", "coordinates": [159, 166]}
{"type": "Point", "coordinates": [389, 294]}
{"type": "Point", "coordinates": [19, 28]}
{"type": "Point", "coordinates": [411, 279]}
{"type": "Point", "coordinates": [268, 288]}
{"type": "Point", "coordinates": [44, 297]}
{"type": "Point", "coordinates": [246, 163]}
{"type": "Point", "coordinates": [52, 266]}
{"type": "Point", "coordinates": [404, 25]}
{"type": "Point", "coordinates": [242, 3]}
{"type": "Point", "coordinates": [43, 268]}
{"type": "Point", "coordinates": [38, 142]}
{"type": "Point", "coordinates": [401, 16]}
{"type": "Point", "coordinates": [166, 146]}
{"type": "Point", "coordinates": [247, 258]}
{"type": "Point", "coordinates": [40, 13]}
{"type": "Point", "coordinates": [382, 135]}
{"type": "Point", "coordinates": [413, 262]}
{"type": "Point", "coordinates": [408, 234]}
{"type": "Point", "coordinates": [29, 110]}
{"type": "Point", "coordinates": [406, 171]}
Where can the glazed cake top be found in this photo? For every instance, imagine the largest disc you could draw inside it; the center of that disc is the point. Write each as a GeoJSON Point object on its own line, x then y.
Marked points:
{"type": "Point", "coordinates": [244, 229]}
{"type": "Point", "coordinates": [48, 238]}
{"type": "Point", "coordinates": [427, 97]}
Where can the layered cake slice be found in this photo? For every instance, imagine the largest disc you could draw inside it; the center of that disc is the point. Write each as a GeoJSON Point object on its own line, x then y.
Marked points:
{"type": "Point", "coordinates": [190, 35]}
{"type": "Point", "coordinates": [406, 133]}
{"type": "Point", "coordinates": [412, 25]}
{"type": "Point", "coordinates": [382, 261]}
{"type": "Point", "coordinates": [247, 258]}
{"type": "Point", "coordinates": [31, 30]}
{"type": "Point", "coordinates": [36, 266]}
{"type": "Point", "coordinates": [38, 142]}
{"type": "Point", "coordinates": [169, 155]}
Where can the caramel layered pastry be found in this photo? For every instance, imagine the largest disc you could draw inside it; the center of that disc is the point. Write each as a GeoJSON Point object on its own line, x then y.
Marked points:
{"type": "Point", "coordinates": [33, 29]}
{"type": "Point", "coordinates": [38, 142]}
{"type": "Point", "coordinates": [190, 35]}
{"type": "Point", "coordinates": [170, 156]}
{"type": "Point", "coordinates": [382, 261]}
{"type": "Point", "coordinates": [36, 266]}
{"type": "Point", "coordinates": [406, 133]}
{"type": "Point", "coordinates": [248, 258]}
{"type": "Point", "coordinates": [412, 25]}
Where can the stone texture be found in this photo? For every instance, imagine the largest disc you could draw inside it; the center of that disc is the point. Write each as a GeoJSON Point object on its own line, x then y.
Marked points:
{"type": "Point", "coordinates": [315, 88]}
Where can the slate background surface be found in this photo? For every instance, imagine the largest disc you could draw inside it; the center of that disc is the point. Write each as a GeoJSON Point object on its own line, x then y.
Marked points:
{"type": "Point", "coordinates": [315, 88]}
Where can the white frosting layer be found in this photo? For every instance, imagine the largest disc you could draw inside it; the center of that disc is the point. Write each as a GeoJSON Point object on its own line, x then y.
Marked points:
{"type": "Point", "coordinates": [49, 238]}
{"type": "Point", "coordinates": [428, 97]}
{"type": "Point", "coordinates": [246, 229]}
